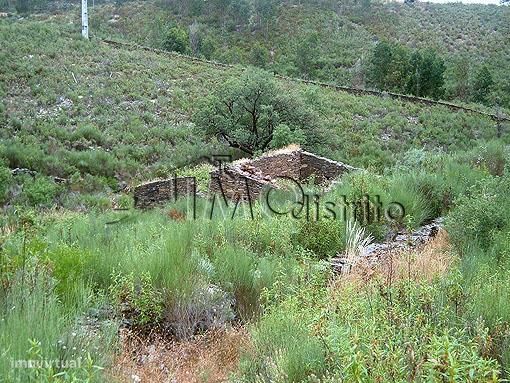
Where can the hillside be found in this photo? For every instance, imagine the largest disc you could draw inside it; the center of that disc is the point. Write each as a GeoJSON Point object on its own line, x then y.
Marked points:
{"type": "Point", "coordinates": [105, 116]}
{"type": "Point", "coordinates": [396, 268]}
{"type": "Point", "coordinates": [467, 36]}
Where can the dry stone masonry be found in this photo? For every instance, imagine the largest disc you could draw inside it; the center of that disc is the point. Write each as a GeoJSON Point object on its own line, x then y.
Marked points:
{"type": "Point", "coordinates": [154, 193]}
{"type": "Point", "coordinates": [247, 179]}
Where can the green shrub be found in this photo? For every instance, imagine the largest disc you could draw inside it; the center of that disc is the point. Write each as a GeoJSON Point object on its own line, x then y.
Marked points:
{"type": "Point", "coordinates": [259, 56]}
{"type": "Point", "coordinates": [455, 361]}
{"type": "Point", "coordinates": [5, 182]}
{"type": "Point", "coordinates": [176, 40]}
{"type": "Point", "coordinates": [89, 133]}
{"type": "Point", "coordinates": [95, 162]}
{"type": "Point", "coordinates": [284, 351]}
{"type": "Point", "coordinates": [137, 298]}
{"type": "Point", "coordinates": [413, 194]}
{"type": "Point", "coordinates": [480, 214]}
{"type": "Point", "coordinates": [236, 271]}
{"type": "Point", "coordinates": [39, 191]}
{"type": "Point", "coordinates": [37, 326]}
{"type": "Point", "coordinates": [20, 155]}
{"type": "Point", "coordinates": [69, 267]}
{"type": "Point", "coordinates": [201, 174]}
{"type": "Point", "coordinates": [284, 136]}
{"type": "Point", "coordinates": [325, 237]}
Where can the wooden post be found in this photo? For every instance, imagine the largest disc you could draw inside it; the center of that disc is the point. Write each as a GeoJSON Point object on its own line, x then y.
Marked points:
{"type": "Point", "coordinates": [84, 19]}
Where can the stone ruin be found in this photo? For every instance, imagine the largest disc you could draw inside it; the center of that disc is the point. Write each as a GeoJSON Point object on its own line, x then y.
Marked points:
{"type": "Point", "coordinates": [246, 179]}
{"type": "Point", "coordinates": [400, 242]}
{"type": "Point", "coordinates": [151, 194]}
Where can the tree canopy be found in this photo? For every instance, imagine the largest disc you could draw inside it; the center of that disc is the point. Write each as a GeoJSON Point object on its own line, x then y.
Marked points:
{"type": "Point", "coordinates": [394, 67]}
{"type": "Point", "coordinates": [247, 111]}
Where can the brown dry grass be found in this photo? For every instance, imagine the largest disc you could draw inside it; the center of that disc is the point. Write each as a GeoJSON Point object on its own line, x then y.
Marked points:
{"type": "Point", "coordinates": [425, 263]}
{"type": "Point", "coordinates": [176, 215]}
{"type": "Point", "coordinates": [210, 358]}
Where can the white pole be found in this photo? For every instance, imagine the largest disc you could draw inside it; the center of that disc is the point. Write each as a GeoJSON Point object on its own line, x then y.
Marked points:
{"type": "Point", "coordinates": [84, 19]}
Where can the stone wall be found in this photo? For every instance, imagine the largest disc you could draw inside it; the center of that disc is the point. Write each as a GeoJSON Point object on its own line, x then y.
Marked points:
{"type": "Point", "coordinates": [155, 193]}
{"type": "Point", "coordinates": [286, 164]}
{"type": "Point", "coordinates": [323, 169]}
{"type": "Point", "coordinates": [235, 185]}
{"type": "Point", "coordinates": [263, 172]}
{"type": "Point", "coordinates": [246, 179]}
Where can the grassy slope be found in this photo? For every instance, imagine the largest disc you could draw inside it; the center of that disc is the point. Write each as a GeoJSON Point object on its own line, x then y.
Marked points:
{"type": "Point", "coordinates": [137, 104]}
{"type": "Point", "coordinates": [479, 33]}
{"type": "Point", "coordinates": [85, 108]}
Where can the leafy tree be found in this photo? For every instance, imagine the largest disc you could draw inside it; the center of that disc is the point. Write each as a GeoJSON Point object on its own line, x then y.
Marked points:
{"type": "Point", "coordinates": [433, 74]}
{"type": "Point", "coordinates": [306, 55]}
{"type": "Point", "coordinates": [245, 113]}
{"type": "Point", "coordinates": [398, 74]}
{"type": "Point", "coordinates": [388, 67]}
{"type": "Point", "coordinates": [426, 74]}
{"type": "Point", "coordinates": [259, 56]}
{"type": "Point", "coordinates": [195, 38]}
{"type": "Point", "coordinates": [240, 11]}
{"type": "Point", "coordinates": [459, 79]}
{"type": "Point", "coordinates": [284, 135]}
{"type": "Point", "coordinates": [176, 40]}
{"type": "Point", "coordinates": [394, 68]}
{"type": "Point", "coordinates": [265, 11]}
{"type": "Point", "coordinates": [208, 47]}
{"type": "Point", "coordinates": [482, 85]}
{"type": "Point", "coordinates": [380, 65]}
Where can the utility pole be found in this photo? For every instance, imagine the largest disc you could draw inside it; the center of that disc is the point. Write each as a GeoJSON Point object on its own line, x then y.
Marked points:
{"type": "Point", "coordinates": [84, 19]}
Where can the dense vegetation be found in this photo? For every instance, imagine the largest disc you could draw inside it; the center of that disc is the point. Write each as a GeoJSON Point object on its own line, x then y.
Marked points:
{"type": "Point", "coordinates": [82, 122]}
{"type": "Point", "coordinates": [188, 276]}
{"type": "Point", "coordinates": [118, 116]}
{"type": "Point", "coordinates": [284, 36]}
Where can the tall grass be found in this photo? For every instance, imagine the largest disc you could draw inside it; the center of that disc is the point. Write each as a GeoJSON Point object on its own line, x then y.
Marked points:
{"type": "Point", "coordinates": [37, 326]}
{"type": "Point", "coordinates": [479, 226]}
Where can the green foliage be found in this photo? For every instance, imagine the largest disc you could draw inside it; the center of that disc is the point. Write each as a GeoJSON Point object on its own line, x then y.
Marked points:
{"type": "Point", "coordinates": [89, 133]}
{"type": "Point", "coordinates": [457, 78]}
{"type": "Point", "coordinates": [395, 68]}
{"type": "Point", "coordinates": [176, 40]}
{"type": "Point", "coordinates": [284, 351]}
{"type": "Point", "coordinates": [480, 214]}
{"type": "Point", "coordinates": [24, 6]}
{"type": "Point", "coordinates": [201, 173]}
{"type": "Point", "coordinates": [39, 191]}
{"type": "Point", "coordinates": [125, 115]}
{"type": "Point", "coordinates": [426, 74]}
{"type": "Point", "coordinates": [325, 237]}
{"type": "Point", "coordinates": [284, 136]}
{"type": "Point", "coordinates": [482, 85]}
{"type": "Point", "coordinates": [356, 332]}
{"type": "Point", "coordinates": [108, 144]}
{"type": "Point", "coordinates": [245, 112]}
{"type": "Point", "coordinates": [5, 182]}
{"type": "Point", "coordinates": [389, 66]}
{"type": "Point", "coordinates": [37, 326]}
{"type": "Point", "coordinates": [69, 267]}
{"type": "Point", "coordinates": [307, 55]}
{"type": "Point", "coordinates": [239, 272]}
{"type": "Point", "coordinates": [454, 361]}
{"type": "Point", "coordinates": [137, 297]}
{"type": "Point", "coordinates": [259, 56]}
